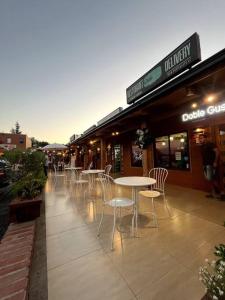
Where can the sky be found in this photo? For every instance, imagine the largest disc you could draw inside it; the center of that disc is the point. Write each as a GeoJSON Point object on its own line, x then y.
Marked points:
{"type": "Point", "coordinates": [65, 64]}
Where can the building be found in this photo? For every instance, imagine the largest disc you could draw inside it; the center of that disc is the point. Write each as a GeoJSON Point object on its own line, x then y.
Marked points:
{"type": "Point", "coordinates": [175, 113]}
{"type": "Point", "coordinates": [10, 141]}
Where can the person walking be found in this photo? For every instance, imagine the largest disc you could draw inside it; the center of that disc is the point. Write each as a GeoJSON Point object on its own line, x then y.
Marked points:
{"type": "Point", "coordinates": [210, 160]}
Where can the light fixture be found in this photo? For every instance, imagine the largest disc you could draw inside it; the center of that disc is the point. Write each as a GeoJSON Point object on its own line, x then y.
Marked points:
{"type": "Point", "coordinates": [194, 105]}
{"type": "Point", "coordinates": [191, 91]}
{"type": "Point", "coordinates": [171, 138]}
{"type": "Point", "coordinates": [210, 98]}
{"type": "Point", "coordinates": [89, 150]}
{"type": "Point", "coordinates": [163, 144]}
{"type": "Point", "coordinates": [198, 129]}
{"type": "Point", "coordinates": [91, 142]}
{"type": "Point", "coordinates": [113, 133]}
{"type": "Point", "coordinates": [98, 149]}
{"type": "Point", "coordinates": [117, 133]}
{"type": "Point", "coordinates": [182, 140]}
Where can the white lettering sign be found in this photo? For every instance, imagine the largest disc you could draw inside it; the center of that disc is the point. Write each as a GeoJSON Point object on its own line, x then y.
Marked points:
{"type": "Point", "coordinates": [200, 113]}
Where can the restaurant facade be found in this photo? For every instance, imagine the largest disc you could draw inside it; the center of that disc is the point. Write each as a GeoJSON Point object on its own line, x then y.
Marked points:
{"type": "Point", "coordinates": [169, 114]}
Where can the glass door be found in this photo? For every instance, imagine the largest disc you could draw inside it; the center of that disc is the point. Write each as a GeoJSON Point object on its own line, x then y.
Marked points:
{"type": "Point", "coordinates": [116, 158]}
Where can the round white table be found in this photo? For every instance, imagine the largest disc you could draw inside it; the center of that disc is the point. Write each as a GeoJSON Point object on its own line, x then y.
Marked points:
{"type": "Point", "coordinates": [73, 168]}
{"type": "Point", "coordinates": [92, 173]}
{"type": "Point", "coordinates": [135, 182]}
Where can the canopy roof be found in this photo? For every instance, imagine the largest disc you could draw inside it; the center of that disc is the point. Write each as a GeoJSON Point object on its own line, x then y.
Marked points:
{"type": "Point", "coordinates": [55, 147]}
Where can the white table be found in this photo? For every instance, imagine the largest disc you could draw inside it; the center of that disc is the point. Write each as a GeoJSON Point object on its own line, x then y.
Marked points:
{"type": "Point", "coordinates": [71, 169]}
{"type": "Point", "coordinates": [135, 182]}
{"type": "Point", "coordinates": [92, 173]}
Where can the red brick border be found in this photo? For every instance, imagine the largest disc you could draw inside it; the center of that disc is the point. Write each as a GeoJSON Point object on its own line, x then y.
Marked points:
{"type": "Point", "coordinates": [16, 249]}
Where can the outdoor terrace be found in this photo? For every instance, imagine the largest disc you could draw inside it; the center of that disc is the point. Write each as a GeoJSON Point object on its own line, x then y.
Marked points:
{"type": "Point", "coordinates": [161, 263]}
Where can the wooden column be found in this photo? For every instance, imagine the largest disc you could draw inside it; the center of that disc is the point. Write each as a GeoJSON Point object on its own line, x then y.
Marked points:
{"type": "Point", "coordinates": [102, 153]}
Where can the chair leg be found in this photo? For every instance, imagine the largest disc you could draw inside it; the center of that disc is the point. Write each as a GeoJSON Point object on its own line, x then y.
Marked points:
{"type": "Point", "coordinates": [133, 218]}
{"type": "Point", "coordinates": [100, 223]}
{"type": "Point", "coordinates": [166, 204]}
{"type": "Point", "coordinates": [154, 212]}
{"type": "Point", "coordinates": [114, 226]}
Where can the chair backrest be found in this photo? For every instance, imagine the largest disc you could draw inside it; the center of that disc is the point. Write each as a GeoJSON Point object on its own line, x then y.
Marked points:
{"type": "Point", "coordinates": [75, 175]}
{"type": "Point", "coordinates": [54, 168]}
{"type": "Point", "coordinates": [108, 169]}
{"type": "Point", "coordinates": [107, 186]}
{"type": "Point", "coordinates": [90, 166]}
{"type": "Point", "coordinates": [160, 175]}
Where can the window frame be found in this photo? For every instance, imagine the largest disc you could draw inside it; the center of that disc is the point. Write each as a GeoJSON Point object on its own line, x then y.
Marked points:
{"type": "Point", "coordinates": [169, 147]}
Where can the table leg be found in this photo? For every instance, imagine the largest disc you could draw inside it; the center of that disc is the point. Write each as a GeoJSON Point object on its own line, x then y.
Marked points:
{"type": "Point", "coordinates": [135, 199]}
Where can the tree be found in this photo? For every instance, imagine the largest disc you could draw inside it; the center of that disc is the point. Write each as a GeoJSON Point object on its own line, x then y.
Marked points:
{"type": "Point", "coordinates": [17, 130]}
{"type": "Point", "coordinates": [37, 144]}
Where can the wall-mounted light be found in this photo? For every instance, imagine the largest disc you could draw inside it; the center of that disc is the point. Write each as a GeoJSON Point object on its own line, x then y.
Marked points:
{"type": "Point", "coordinates": [194, 105]}
{"type": "Point", "coordinates": [171, 138]}
{"type": "Point", "coordinates": [199, 129]}
{"type": "Point", "coordinates": [163, 144]}
{"type": "Point", "coordinates": [89, 151]}
{"type": "Point", "coordinates": [98, 149]}
{"type": "Point", "coordinates": [210, 98]}
{"type": "Point", "coordinates": [91, 142]}
{"type": "Point", "coordinates": [115, 133]}
{"type": "Point", "coordinates": [182, 140]}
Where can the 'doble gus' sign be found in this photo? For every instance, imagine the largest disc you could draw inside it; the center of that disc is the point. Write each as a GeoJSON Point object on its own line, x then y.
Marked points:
{"type": "Point", "coordinates": [184, 56]}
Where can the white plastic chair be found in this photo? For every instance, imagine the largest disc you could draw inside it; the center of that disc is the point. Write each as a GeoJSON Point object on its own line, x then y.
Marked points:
{"type": "Point", "coordinates": [107, 185]}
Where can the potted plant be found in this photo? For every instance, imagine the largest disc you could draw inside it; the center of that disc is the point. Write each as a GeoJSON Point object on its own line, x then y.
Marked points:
{"type": "Point", "coordinates": [27, 190]}
{"type": "Point", "coordinates": [213, 275]}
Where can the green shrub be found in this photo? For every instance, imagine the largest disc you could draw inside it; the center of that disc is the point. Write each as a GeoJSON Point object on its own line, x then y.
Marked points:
{"type": "Point", "coordinates": [30, 185]}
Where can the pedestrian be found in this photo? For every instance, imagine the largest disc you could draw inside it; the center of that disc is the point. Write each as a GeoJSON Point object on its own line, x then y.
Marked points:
{"type": "Point", "coordinates": [210, 160]}
{"type": "Point", "coordinates": [46, 165]}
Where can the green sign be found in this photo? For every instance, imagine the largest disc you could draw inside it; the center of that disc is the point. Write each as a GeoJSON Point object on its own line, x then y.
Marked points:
{"type": "Point", "coordinates": [183, 57]}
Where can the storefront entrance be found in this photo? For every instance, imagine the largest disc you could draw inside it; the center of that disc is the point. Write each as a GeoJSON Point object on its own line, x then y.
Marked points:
{"type": "Point", "coordinates": [117, 158]}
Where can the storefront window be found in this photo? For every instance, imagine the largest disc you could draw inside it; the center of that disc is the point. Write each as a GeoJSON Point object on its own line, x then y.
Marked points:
{"type": "Point", "coordinates": [162, 152]}
{"type": "Point", "coordinates": [172, 151]}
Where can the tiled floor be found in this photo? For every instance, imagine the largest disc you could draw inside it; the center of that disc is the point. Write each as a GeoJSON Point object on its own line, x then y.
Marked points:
{"type": "Point", "coordinates": [160, 264]}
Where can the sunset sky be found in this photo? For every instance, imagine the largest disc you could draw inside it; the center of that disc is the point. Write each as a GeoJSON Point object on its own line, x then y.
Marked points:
{"type": "Point", "coordinates": [66, 64]}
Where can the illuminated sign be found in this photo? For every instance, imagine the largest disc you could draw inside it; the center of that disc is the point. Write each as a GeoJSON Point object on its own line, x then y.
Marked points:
{"type": "Point", "coordinates": [182, 58]}
{"type": "Point", "coordinates": [201, 113]}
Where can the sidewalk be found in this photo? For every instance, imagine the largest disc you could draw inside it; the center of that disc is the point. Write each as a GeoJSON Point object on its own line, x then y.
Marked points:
{"type": "Point", "coordinates": [162, 264]}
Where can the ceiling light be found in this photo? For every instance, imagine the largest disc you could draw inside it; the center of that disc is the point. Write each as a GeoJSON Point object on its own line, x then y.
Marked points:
{"type": "Point", "coordinates": [194, 105]}
{"type": "Point", "coordinates": [191, 92]}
